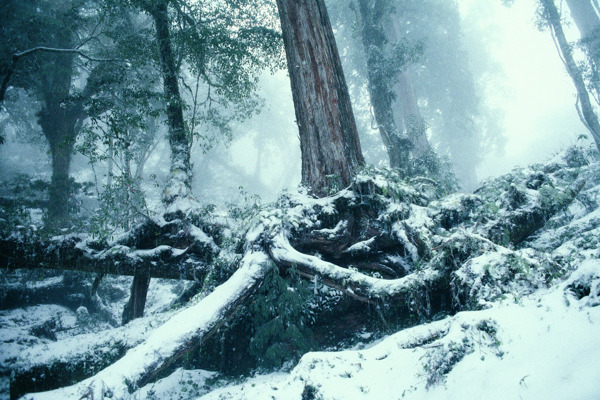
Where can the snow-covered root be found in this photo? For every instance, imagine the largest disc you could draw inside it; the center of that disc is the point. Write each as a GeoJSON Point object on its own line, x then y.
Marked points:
{"type": "Point", "coordinates": [538, 348]}
{"type": "Point", "coordinates": [353, 283]}
{"type": "Point", "coordinates": [183, 332]}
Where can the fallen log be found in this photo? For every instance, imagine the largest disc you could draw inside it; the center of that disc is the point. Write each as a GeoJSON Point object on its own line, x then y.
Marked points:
{"type": "Point", "coordinates": [171, 256]}
{"type": "Point", "coordinates": [180, 335]}
{"type": "Point", "coordinates": [43, 367]}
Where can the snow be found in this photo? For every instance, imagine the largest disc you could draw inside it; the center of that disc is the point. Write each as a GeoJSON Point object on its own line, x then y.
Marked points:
{"type": "Point", "coordinates": [365, 245]}
{"type": "Point", "coordinates": [190, 382]}
{"type": "Point", "coordinates": [284, 252]}
{"type": "Point", "coordinates": [332, 232]}
{"type": "Point", "coordinates": [535, 334]}
{"type": "Point", "coordinates": [202, 237]}
{"type": "Point", "coordinates": [165, 340]}
{"type": "Point", "coordinates": [541, 348]}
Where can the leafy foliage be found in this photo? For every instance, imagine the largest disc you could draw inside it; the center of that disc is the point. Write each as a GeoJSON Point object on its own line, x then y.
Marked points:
{"type": "Point", "coordinates": [280, 324]}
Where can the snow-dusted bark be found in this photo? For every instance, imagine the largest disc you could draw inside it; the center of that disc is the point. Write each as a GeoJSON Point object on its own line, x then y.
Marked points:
{"type": "Point", "coordinates": [180, 178]}
{"type": "Point", "coordinates": [173, 340]}
{"type": "Point", "coordinates": [149, 247]}
{"type": "Point", "coordinates": [355, 284]}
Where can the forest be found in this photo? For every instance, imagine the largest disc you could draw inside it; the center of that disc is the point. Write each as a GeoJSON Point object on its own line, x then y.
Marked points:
{"type": "Point", "coordinates": [287, 199]}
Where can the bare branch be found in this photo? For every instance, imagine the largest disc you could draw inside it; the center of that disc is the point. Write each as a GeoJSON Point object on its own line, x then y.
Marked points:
{"type": "Point", "coordinates": [45, 49]}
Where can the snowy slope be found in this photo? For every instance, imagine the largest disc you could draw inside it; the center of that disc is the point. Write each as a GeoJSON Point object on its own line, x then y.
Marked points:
{"type": "Point", "coordinates": [535, 334]}
{"type": "Point", "coordinates": [545, 346]}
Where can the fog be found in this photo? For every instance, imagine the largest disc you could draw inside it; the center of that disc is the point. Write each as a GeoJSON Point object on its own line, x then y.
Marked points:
{"type": "Point", "coordinates": [518, 74]}
{"type": "Point", "coordinates": [532, 86]}
{"type": "Point", "coordinates": [524, 78]}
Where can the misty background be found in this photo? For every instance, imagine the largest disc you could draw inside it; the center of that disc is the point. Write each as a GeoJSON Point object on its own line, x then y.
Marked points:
{"type": "Point", "coordinates": [525, 104]}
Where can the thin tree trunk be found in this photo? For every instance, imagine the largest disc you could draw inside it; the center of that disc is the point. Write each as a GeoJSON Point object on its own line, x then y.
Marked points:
{"type": "Point", "coordinates": [328, 136]}
{"type": "Point", "coordinates": [370, 20]}
{"type": "Point", "coordinates": [588, 115]}
{"type": "Point", "coordinates": [137, 298]}
{"type": "Point", "coordinates": [415, 125]}
{"type": "Point", "coordinates": [588, 23]}
{"type": "Point", "coordinates": [180, 179]}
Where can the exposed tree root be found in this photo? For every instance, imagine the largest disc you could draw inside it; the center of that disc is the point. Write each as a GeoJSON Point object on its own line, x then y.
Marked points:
{"type": "Point", "coordinates": [174, 250]}
{"type": "Point", "coordinates": [355, 284]}
{"type": "Point", "coordinates": [393, 251]}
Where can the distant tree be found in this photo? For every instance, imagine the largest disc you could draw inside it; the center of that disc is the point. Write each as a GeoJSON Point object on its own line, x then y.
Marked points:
{"type": "Point", "coordinates": [44, 60]}
{"type": "Point", "coordinates": [387, 56]}
{"type": "Point", "coordinates": [329, 140]}
{"type": "Point", "coordinates": [434, 93]}
{"type": "Point", "coordinates": [550, 18]}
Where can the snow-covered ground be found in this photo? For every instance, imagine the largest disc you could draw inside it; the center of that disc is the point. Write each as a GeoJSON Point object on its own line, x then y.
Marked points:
{"type": "Point", "coordinates": [544, 346]}
{"type": "Point", "coordinates": [535, 335]}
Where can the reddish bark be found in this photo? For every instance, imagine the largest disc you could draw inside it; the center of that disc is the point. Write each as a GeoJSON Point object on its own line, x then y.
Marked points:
{"type": "Point", "coordinates": [328, 136]}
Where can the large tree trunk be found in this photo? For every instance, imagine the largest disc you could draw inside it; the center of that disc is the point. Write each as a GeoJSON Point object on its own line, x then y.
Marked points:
{"type": "Point", "coordinates": [328, 136]}
{"type": "Point", "coordinates": [180, 335]}
{"type": "Point", "coordinates": [180, 179]}
{"type": "Point", "coordinates": [588, 115]}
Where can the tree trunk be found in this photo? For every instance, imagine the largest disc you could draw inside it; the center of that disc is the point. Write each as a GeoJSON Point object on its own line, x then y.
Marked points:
{"type": "Point", "coordinates": [588, 23]}
{"type": "Point", "coordinates": [183, 333]}
{"type": "Point", "coordinates": [588, 115]}
{"type": "Point", "coordinates": [413, 121]}
{"type": "Point", "coordinates": [180, 179]}
{"type": "Point", "coordinates": [137, 299]}
{"type": "Point", "coordinates": [59, 119]}
{"type": "Point", "coordinates": [60, 188]}
{"type": "Point", "coordinates": [407, 102]}
{"type": "Point", "coordinates": [370, 21]}
{"type": "Point", "coordinates": [328, 136]}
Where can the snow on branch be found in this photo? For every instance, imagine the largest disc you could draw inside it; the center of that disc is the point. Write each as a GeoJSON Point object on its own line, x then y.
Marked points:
{"type": "Point", "coordinates": [353, 283]}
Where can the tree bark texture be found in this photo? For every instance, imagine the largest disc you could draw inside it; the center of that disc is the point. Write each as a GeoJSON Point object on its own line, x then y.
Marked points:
{"type": "Point", "coordinates": [587, 111]}
{"type": "Point", "coordinates": [137, 298]}
{"type": "Point", "coordinates": [328, 136]}
{"type": "Point", "coordinates": [180, 179]}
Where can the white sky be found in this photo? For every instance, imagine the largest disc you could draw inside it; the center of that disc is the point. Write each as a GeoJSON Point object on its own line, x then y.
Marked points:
{"type": "Point", "coordinates": [536, 93]}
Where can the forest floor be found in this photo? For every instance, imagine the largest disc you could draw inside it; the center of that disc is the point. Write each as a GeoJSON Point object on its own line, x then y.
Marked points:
{"type": "Point", "coordinates": [529, 326]}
